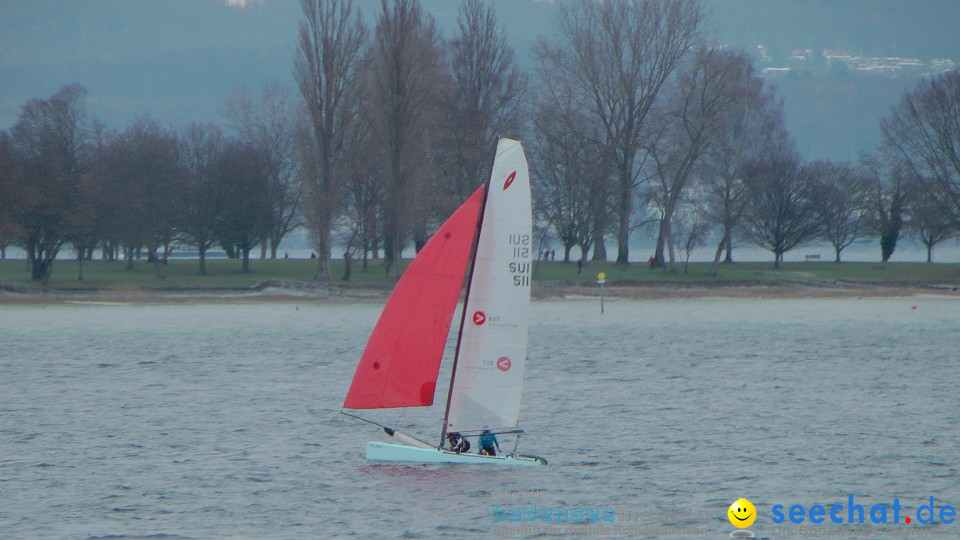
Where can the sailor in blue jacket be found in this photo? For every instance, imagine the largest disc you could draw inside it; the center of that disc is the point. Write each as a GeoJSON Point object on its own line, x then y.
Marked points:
{"type": "Point", "coordinates": [488, 443]}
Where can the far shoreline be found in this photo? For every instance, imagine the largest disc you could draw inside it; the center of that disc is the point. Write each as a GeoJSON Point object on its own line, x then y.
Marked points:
{"type": "Point", "coordinates": [551, 291]}
{"type": "Point", "coordinates": [293, 280]}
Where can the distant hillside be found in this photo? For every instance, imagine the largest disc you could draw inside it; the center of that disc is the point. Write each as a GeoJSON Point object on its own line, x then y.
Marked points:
{"type": "Point", "coordinates": [833, 106]}
{"type": "Point", "coordinates": [921, 28]}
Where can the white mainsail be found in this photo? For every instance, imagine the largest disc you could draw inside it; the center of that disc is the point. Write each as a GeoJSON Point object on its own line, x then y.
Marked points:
{"type": "Point", "coordinates": [488, 375]}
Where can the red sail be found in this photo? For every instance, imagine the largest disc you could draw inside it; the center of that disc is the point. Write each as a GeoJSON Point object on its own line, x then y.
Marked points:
{"type": "Point", "coordinates": [399, 367]}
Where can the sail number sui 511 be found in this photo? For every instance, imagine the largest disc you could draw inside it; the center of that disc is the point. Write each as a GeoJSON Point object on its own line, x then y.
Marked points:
{"type": "Point", "coordinates": [520, 269]}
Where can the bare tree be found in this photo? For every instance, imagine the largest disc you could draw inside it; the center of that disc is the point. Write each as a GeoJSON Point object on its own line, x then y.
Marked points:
{"type": "Point", "coordinates": [139, 178]}
{"type": "Point", "coordinates": [781, 213]}
{"type": "Point", "coordinates": [693, 119]}
{"type": "Point", "coordinates": [930, 220]}
{"type": "Point", "coordinates": [690, 229]}
{"type": "Point", "coordinates": [327, 68]}
{"type": "Point", "coordinates": [923, 131]}
{"type": "Point", "coordinates": [50, 141]}
{"type": "Point", "coordinates": [563, 163]}
{"type": "Point", "coordinates": [360, 229]}
{"type": "Point", "coordinates": [243, 172]}
{"type": "Point", "coordinates": [616, 57]}
{"type": "Point", "coordinates": [84, 219]}
{"type": "Point", "coordinates": [890, 199]}
{"type": "Point", "coordinates": [9, 173]}
{"type": "Point", "coordinates": [120, 194]}
{"type": "Point", "coordinates": [573, 177]}
{"type": "Point", "coordinates": [268, 123]}
{"type": "Point", "coordinates": [842, 195]}
{"type": "Point", "coordinates": [754, 127]}
{"type": "Point", "coordinates": [105, 197]}
{"type": "Point", "coordinates": [201, 198]}
{"type": "Point", "coordinates": [485, 100]}
{"type": "Point", "coordinates": [407, 85]}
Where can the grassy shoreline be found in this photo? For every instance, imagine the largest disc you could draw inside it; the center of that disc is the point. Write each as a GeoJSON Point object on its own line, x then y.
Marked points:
{"type": "Point", "coordinates": [294, 277]}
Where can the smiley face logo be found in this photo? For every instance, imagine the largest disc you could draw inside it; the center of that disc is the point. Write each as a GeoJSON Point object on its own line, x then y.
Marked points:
{"type": "Point", "coordinates": [741, 513]}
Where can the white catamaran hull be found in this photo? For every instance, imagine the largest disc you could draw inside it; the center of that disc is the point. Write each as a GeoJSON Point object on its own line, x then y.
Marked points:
{"type": "Point", "coordinates": [378, 451]}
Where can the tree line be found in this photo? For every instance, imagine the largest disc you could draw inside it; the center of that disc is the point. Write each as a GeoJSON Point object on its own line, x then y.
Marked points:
{"type": "Point", "coordinates": [634, 122]}
{"type": "Point", "coordinates": [144, 189]}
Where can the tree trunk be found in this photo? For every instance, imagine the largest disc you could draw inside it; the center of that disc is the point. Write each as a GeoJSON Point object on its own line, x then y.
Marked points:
{"type": "Point", "coordinates": [41, 263]}
{"type": "Point", "coordinates": [671, 266]}
{"type": "Point", "coordinates": [728, 241]}
{"type": "Point", "coordinates": [366, 255]}
{"type": "Point", "coordinates": [716, 259]}
{"type": "Point", "coordinates": [388, 256]}
{"type": "Point", "coordinates": [599, 249]}
{"type": "Point", "coordinates": [623, 235]}
{"type": "Point", "coordinates": [584, 253]}
{"type": "Point", "coordinates": [323, 254]}
{"type": "Point", "coordinates": [274, 244]}
{"type": "Point", "coordinates": [346, 266]}
{"type": "Point", "coordinates": [658, 253]}
{"type": "Point", "coordinates": [40, 270]}
{"type": "Point", "coordinates": [31, 260]}
{"type": "Point", "coordinates": [665, 241]}
{"type": "Point", "coordinates": [203, 260]}
{"type": "Point", "coordinates": [419, 240]}
{"type": "Point", "coordinates": [245, 267]}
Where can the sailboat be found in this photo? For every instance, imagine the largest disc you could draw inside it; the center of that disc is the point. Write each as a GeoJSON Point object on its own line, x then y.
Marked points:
{"type": "Point", "coordinates": [491, 234]}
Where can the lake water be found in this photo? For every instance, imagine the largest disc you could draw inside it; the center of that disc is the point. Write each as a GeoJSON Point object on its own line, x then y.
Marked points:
{"type": "Point", "coordinates": [221, 420]}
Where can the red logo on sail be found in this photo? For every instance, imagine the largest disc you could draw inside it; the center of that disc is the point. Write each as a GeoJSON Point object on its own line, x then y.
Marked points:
{"type": "Point", "coordinates": [510, 180]}
{"type": "Point", "coordinates": [479, 318]}
{"type": "Point", "coordinates": [504, 363]}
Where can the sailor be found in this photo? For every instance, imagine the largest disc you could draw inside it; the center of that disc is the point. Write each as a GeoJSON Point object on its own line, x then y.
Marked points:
{"type": "Point", "coordinates": [488, 443]}
{"type": "Point", "coordinates": [458, 443]}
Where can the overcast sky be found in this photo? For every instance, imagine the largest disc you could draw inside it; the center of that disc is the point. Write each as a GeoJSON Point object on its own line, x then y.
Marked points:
{"type": "Point", "coordinates": [178, 60]}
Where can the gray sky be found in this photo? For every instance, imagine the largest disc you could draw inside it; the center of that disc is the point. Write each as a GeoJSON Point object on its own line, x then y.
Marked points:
{"type": "Point", "coordinates": [178, 60]}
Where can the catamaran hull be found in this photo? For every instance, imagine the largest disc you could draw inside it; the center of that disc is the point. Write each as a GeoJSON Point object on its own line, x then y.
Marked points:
{"type": "Point", "coordinates": [377, 451]}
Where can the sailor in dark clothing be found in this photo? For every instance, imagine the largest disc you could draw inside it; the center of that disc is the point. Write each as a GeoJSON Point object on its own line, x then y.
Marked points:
{"type": "Point", "coordinates": [458, 443]}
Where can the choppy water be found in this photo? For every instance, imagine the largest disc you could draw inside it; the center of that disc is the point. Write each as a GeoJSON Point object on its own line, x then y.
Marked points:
{"type": "Point", "coordinates": [203, 421]}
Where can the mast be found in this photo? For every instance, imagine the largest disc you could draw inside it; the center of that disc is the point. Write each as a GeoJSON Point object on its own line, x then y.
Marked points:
{"type": "Point", "coordinates": [466, 297]}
